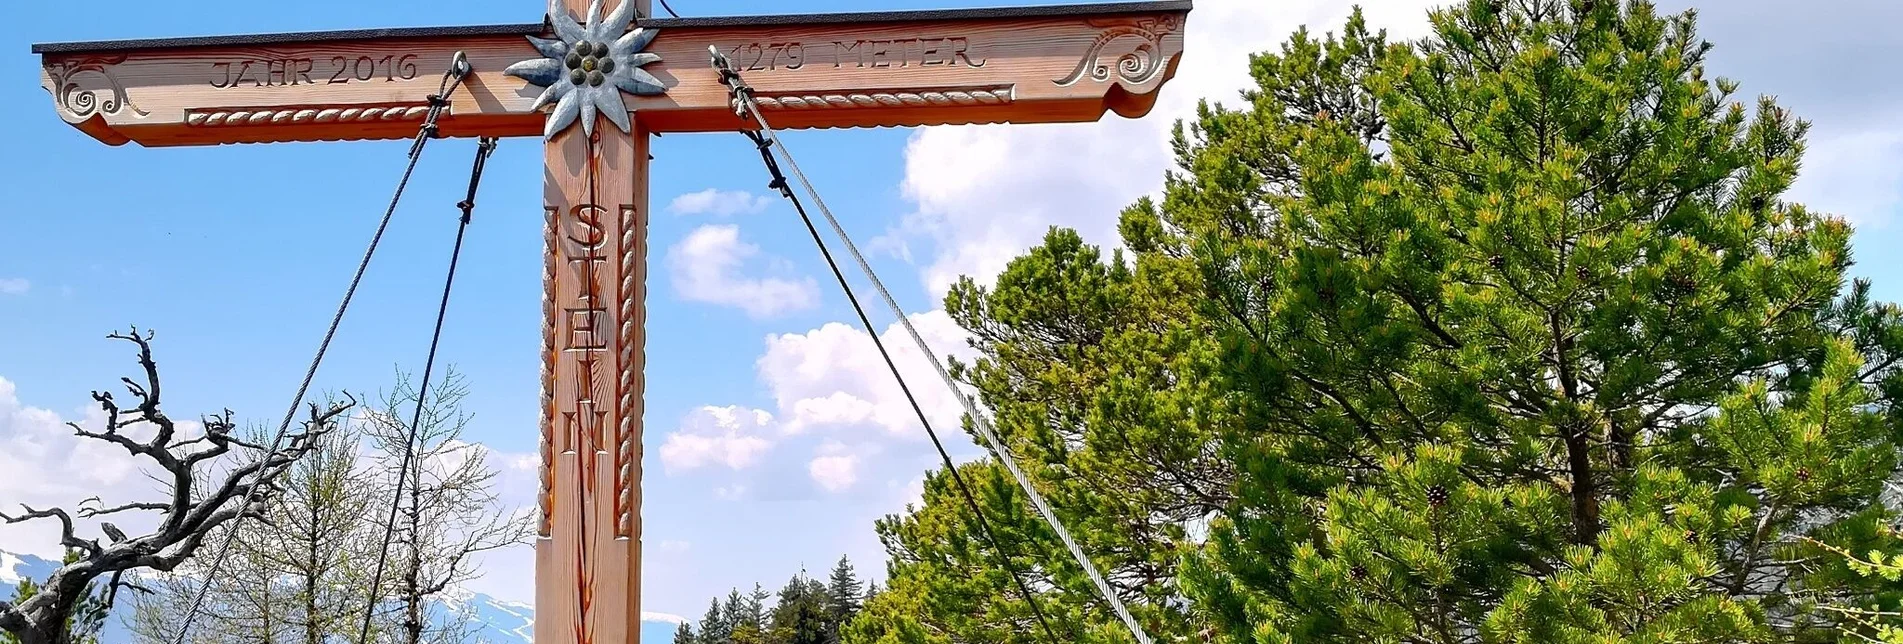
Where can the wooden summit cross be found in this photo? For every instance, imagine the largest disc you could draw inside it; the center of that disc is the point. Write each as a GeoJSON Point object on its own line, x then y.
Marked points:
{"type": "Point", "coordinates": [576, 79]}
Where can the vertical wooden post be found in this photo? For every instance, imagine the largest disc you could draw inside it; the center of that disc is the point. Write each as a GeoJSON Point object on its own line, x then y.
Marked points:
{"type": "Point", "coordinates": [588, 550]}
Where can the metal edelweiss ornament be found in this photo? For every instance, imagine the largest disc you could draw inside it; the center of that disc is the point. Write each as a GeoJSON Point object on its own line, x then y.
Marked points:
{"type": "Point", "coordinates": [585, 71]}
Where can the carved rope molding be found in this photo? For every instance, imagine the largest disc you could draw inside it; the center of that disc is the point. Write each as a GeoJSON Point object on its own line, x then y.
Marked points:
{"type": "Point", "coordinates": [633, 263]}
{"type": "Point", "coordinates": [546, 495]}
{"type": "Point", "coordinates": [895, 98]}
{"type": "Point", "coordinates": [1138, 66]}
{"type": "Point", "coordinates": [306, 114]}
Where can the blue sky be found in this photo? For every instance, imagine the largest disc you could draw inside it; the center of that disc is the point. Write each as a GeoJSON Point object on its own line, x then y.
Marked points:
{"type": "Point", "coordinates": [773, 439]}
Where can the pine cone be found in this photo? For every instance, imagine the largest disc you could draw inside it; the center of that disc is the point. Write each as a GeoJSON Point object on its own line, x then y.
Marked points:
{"type": "Point", "coordinates": [1437, 496]}
{"type": "Point", "coordinates": [1358, 573]}
{"type": "Point", "coordinates": [1691, 535]}
{"type": "Point", "coordinates": [1803, 475]}
{"type": "Point", "coordinates": [1497, 262]}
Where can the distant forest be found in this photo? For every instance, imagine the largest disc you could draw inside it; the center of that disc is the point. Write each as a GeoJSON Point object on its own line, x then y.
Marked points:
{"type": "Point", "coordinates": [806, 611]}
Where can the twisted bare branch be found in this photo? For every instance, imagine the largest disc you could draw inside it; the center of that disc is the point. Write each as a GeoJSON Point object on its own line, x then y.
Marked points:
{"type": "Point", "coordinates": [190, 513]}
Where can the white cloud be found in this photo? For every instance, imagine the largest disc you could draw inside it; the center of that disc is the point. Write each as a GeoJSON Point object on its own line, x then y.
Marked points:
{"type": "Point", "coordinates": [47, 465]}
{"type": "Point", "coordinates": [10, 568]}
{"type": "Point", "coordinates": [1853, 166]}
{"type": "Point", "coordinates": [651, 616]}
{"type": "Point", "coordinates": [734, 437]}
{"type": "Point", "coordinates": [713, 201]}
{"type": "Point", "coordinates": [835, 468]}
{"type": "Point", "coordinates": [730, 492]}
{"type": "Point", "coordinates": [985, 193]}
{"type": "Point", "coordinates": [707, 267]}
{"type": "Point", "coordinates": [14, 286]}
{"type": "Point", "coordinates": [912, 493]}
{"type": "Point", "coordinates": [1853, 174]}
{"type": "Point", "coordinates": [833, 376]}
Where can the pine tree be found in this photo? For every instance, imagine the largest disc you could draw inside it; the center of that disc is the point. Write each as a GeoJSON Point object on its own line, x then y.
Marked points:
{"type": "Point", "coordinates": [1505, 335]}
{"type": "Point", "coordinates": [685, 635]}
{"type": "Point", "coordinates": [1099, 372]}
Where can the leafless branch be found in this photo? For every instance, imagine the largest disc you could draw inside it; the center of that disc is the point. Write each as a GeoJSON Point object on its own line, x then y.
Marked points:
{"type": "Point", "coordinates": [87, 513]}
{"type": "Point", "coordinates": [195, 507]}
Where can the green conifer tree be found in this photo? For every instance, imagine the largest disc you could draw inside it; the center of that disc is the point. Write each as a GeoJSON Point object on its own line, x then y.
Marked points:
{"type": "Point", "coordinates": [1505, 335]}
{"type": "Point", "coordinates": [801, 614]}
{"type": "Point", "coordinates": [758, 610]}
{"type": "Point", "coordinates": [685, 635]}
{"type": "Point", "coordinates": [844, 596]}
{"type": "Point", "coordinates": [714, 625]}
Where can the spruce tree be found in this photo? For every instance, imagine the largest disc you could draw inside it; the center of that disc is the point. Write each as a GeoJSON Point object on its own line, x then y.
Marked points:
{"type": "Point", "coordinates": [745, 615]}
{"type": "Point", "coordinates": [685, 635]}
{"type": "Point", "coordinates": [713, 625]}
{"type": "Point", "coordinates": [842, 598]}
{"type": "Point", "coordinates": [801, 614]}
{"type": "Point", "coordinates": [759, 613]}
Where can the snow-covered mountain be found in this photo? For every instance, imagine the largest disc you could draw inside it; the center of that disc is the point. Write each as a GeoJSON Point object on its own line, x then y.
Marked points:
{"type": "Point", "coordinates": [492, 621]}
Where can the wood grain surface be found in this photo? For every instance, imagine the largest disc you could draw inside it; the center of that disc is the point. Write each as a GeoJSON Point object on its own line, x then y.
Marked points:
{"type": "Point", "coordinates": [857, 74]}
{"type": "Point", "coordinates": [588, 556]}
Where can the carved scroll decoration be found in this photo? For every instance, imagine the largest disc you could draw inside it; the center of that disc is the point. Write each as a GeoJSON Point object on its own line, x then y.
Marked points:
{"type": "Point", "coordinates": [896, 98]}
{"type": "Point", "coordinates": [1140, 65]}
{"type": "Point", "coordinates": [300, 115]}
{"type": "Point", "coordinates": [78, 102]}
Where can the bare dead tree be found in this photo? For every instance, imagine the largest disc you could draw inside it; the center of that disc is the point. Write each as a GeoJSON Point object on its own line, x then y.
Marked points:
{"type": "Point", "coordinates": [450, 513]}
{"type": "Point", "coordinates": [196, 507]}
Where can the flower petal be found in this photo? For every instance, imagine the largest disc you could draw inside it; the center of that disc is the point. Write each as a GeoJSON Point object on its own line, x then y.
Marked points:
{"type": "Point", "coordinates": [634, 41]}
{"type": "Point", "coordinates": [594, 20]}
{"type": "Point", "coordinates": [565, 26]}
{"type": "Point", "coordinates": [541, 72]}
{"type": "Point", "coordinates": [553, 93]}
{"type": "Point", "coordinates": [643, 58]}
{"type": "Point", "coordinates": [589, 109]}
{"type": "Point", "coordinates": [617, 21]}
{"type": "Point", "coordinates": [555, 49]}
{"type": "Point", "coordinates": [639, 82]}
{"type": "Point", "coordinates": [564, 115]}
{"type": "Point", "coordinates": [609, 100]}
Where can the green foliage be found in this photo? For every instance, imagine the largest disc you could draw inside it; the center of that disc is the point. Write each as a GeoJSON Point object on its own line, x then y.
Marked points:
{"type": "Point", "coordinates": [801, 616]}
{"type": "Point", "coordinates": [1504, 335]}
{"type": "Point", "coordinates": [843, 598]}
{"type": "Point", "coordinates": [807, 611]}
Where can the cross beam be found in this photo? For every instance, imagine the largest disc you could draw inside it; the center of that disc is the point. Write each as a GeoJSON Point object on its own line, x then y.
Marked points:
{"type": "Point", "coordinates": [1018, 65]}
{"type": "Point", "coordinates": [596, 81]}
